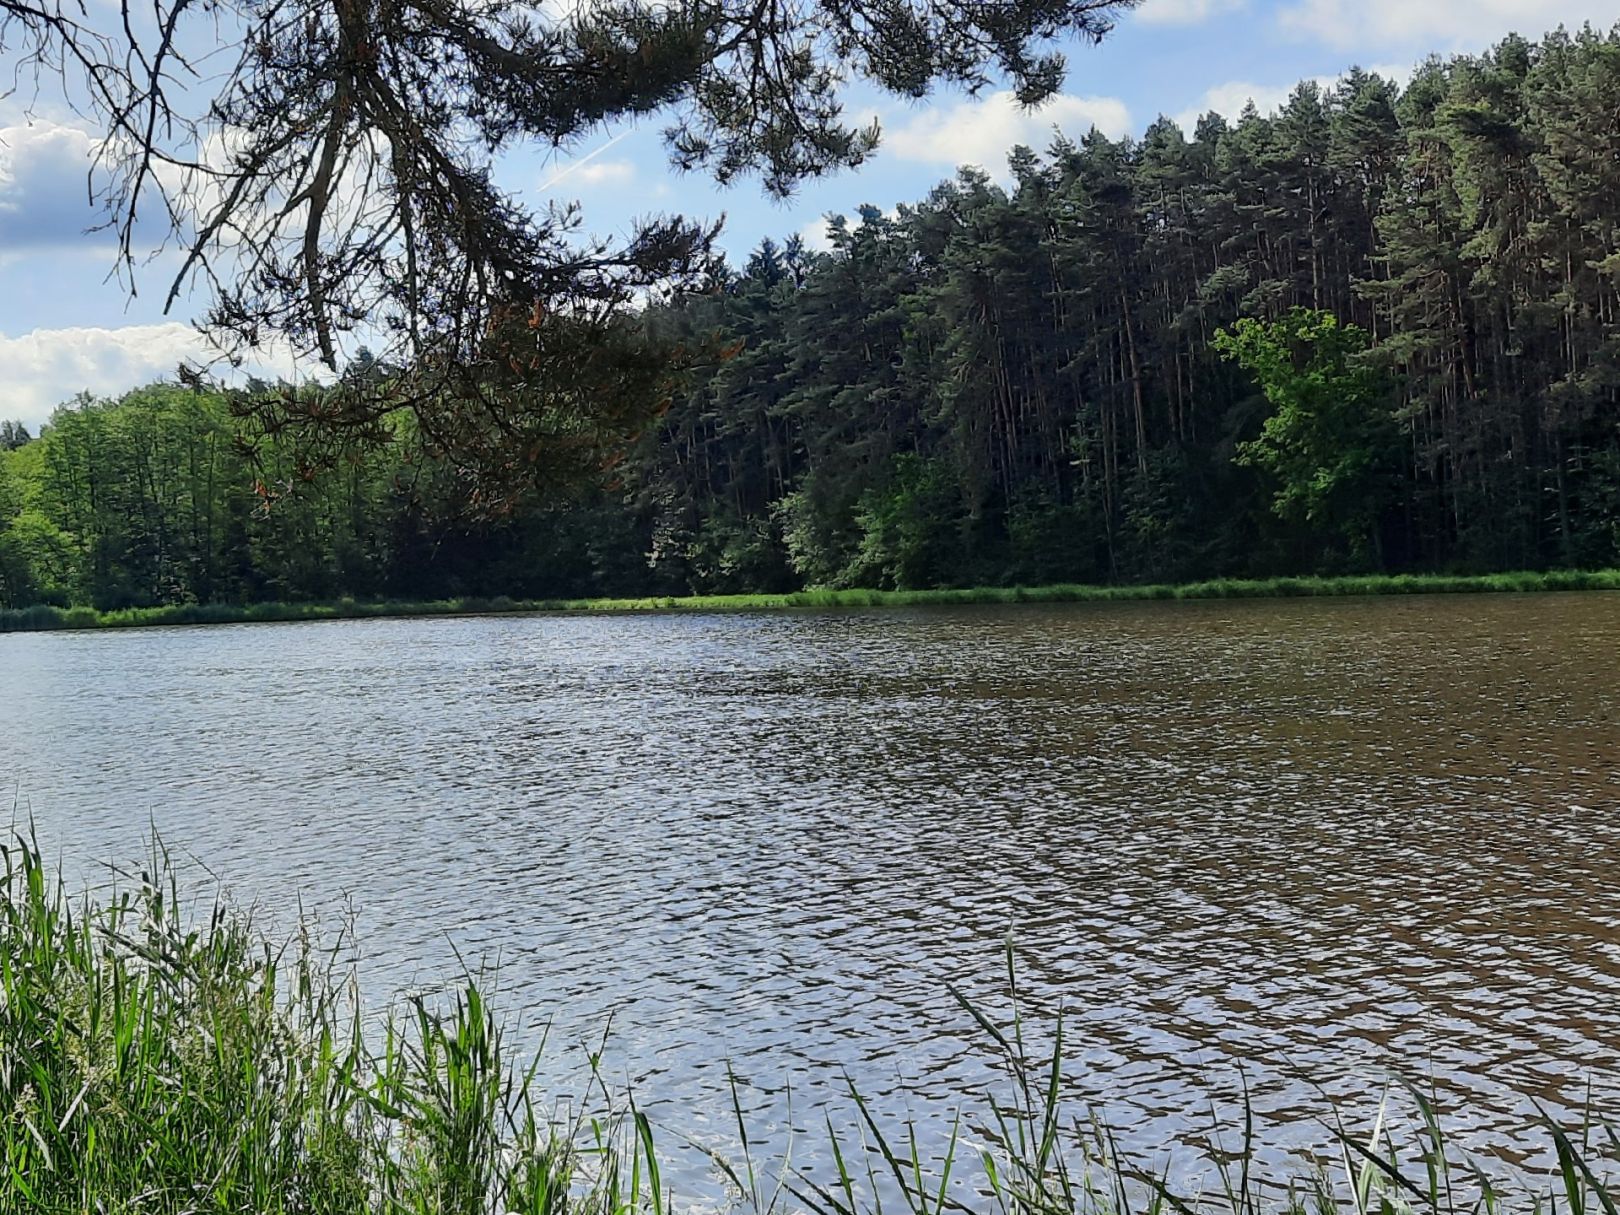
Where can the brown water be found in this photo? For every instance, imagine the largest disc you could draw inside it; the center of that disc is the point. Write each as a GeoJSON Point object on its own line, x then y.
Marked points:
{"type": "Point", "coordinates": [1324, 839]}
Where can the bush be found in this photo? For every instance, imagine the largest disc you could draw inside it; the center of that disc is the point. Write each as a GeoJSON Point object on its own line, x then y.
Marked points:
{"type": "Point", "coordinates": [911, 532]}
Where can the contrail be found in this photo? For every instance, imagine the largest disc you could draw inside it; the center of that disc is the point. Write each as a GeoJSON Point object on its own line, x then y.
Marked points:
{"type": "Point", "coordinates": [582, 161]}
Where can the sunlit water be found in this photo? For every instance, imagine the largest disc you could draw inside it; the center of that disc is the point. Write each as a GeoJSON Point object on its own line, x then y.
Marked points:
{"type": "Point", "coordinates": [1327, 840]}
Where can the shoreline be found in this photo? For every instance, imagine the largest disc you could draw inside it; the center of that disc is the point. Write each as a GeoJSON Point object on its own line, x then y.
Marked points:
{"type": "Point", "coordinates": [44, 618]}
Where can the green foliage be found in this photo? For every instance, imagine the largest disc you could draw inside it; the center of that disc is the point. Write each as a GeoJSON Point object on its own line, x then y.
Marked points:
{"type": "Point", "coordinates": [153, 501]}
{"type": "Point", "coordinates": [1330, 441]}
{"type": "Point", "coordinates": [1051, 542]}
{"type": "Point", "coordinates": [817, 536]}
{"type": "Point", "coordinates": [1051, 344]}
{"type": "Point", "coordinates": [160, 1061]}
{"type": "Point", "coordinates": [41, 618]}
{"type": "Point", "coordinates": [734, 556]}
{"type": "Point", "coordinates": [1419, 291]}
{"type": "Point", "coordinates": [153, 1062]}
{"type": "Point", "coordinates": [910, 532]}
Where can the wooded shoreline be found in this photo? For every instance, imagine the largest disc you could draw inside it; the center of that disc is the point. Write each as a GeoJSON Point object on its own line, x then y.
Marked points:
{"type": "Point", "coordinates": [50, 619]}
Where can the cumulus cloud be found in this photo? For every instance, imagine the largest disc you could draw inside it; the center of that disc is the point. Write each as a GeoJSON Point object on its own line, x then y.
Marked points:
{"type": "Point", "coordinates": [46, 168]}
{"type": "Point", "coordinates": [817, 235]}
{"type": "Point", "coordinates": [604, 173]}
{"type": "Point", "coordinates": [1440, 25]}
{"type": "Point", "coordinates": [49, 366]}
{"type": "Point", "coordinates": [44, 195]}
{"type": "Point", "coordinates": [982, 131]}
{"type": "Point", "coordinates": [1229, 98]}
{"type": "Point", "coordinates": [1185, 12]}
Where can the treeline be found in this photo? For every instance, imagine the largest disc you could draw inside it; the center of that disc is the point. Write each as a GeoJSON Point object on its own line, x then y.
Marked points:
{"type": "Point", "coordinates": [1020, 383]}
{"type": "Point", "coordinates": [1023, 384]}
{"type": "Point", "coordinates": [153, 499]}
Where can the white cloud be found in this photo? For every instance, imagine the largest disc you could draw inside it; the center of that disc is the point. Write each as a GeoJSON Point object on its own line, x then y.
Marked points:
{"type": "Point", "coordinates": [44, 195]}
{"type": "Point", "coordinates": [603, 173]}
{"type": "Point", "coordinates": [817, 235]}
{"type": "Point", "coordinates": [1400, 73]}
{"type": "Point", "coordinates": [588, 171]}
{"type": "Point", "coordinates": [49, 366]}
{"type": "Point", "coordinates": [982, 131]}
{"type": "Point", "coordinates": [1185, 12]}
{"type": "Point", "coordinates": [1228, 99]}
{"type": "Point", "coordinates": [1436, 25]}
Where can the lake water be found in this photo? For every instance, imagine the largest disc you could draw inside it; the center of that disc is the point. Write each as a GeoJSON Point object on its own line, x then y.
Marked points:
{"type": "Point", "coordinates": [1325, 840]}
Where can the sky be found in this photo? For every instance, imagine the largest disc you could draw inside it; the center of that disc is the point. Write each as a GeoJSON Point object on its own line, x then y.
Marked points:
{"type": "Point", "coordinates": [67, 326]}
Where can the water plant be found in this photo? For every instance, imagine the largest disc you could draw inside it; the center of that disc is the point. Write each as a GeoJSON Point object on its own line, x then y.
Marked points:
{"type": "Point", "coordinates": [165, 1058]}
{"type": "Point", "coordinates": [158, 1060]}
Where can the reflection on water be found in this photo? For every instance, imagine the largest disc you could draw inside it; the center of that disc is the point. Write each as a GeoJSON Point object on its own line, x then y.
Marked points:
{"type": "Point", "coordinates": [1322, 838]}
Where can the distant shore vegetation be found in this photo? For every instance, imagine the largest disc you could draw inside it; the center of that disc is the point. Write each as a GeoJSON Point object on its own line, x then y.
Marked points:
{"type": "Point", "coordinates": [1374, 333]}
{"type": "Point", "coordinates": [42, 618]}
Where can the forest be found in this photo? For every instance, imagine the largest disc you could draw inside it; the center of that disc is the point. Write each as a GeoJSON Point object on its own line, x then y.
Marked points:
{"type": "Point", "coordinates": [1378, 330]}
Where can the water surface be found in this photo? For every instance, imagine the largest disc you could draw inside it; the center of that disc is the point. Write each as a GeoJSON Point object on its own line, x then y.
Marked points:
{"type": "Point", "coordinates": [1323, 839]}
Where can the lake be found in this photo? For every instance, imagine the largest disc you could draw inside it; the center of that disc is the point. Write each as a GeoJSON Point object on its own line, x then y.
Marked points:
{"type": "Point", "coordinates": [1325, 840]}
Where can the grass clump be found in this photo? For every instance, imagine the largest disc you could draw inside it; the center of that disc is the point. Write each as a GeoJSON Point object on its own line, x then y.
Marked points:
{"type": "Point", "coordinates": [155, 1065]}
{"type": "Point", "coordinates": [155, 1062]}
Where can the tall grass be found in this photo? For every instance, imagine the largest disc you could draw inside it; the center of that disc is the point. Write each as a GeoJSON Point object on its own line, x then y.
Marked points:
{"type": "Point", "coordinates": [45, 618]}
{"type": "Point", "coordinates": [159, 1061]}
{"type": "Point", "coordinates": [152, 1061]}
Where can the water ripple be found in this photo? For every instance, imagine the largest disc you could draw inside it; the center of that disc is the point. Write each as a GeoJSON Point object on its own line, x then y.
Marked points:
{"type": "Point", "coordinates": [1321, 839]}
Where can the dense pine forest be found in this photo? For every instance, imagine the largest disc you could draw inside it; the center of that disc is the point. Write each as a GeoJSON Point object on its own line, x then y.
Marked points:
{"type": "Point", "coordinates": [1378, 330]}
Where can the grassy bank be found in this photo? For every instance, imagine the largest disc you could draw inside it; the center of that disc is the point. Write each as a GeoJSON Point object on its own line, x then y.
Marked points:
{"type": "Point", "coordinates": [163, 1063]}
{"type": "Point", "coordinates": [42, 618]}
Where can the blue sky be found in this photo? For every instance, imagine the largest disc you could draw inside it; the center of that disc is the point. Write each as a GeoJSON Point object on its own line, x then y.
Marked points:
{"type": "Point", "coordinates": [66, 327]}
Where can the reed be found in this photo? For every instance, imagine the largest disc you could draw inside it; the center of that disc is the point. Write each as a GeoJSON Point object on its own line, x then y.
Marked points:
{"type": "Point", "coordinates": [161, 1059]}
{"type": "Point", "coordinates": [45, 618]}
{"type": "Point", "coordinates": [155, 1061]}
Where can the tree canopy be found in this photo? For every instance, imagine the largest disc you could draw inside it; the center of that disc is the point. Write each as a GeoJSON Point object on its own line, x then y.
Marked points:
{"type": "Point", "coordinates": [1012, 383]}
{"type": "Point", "coordinates": [328, 174]}
{"type": "Point", "coordinates": [1330, 442]}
